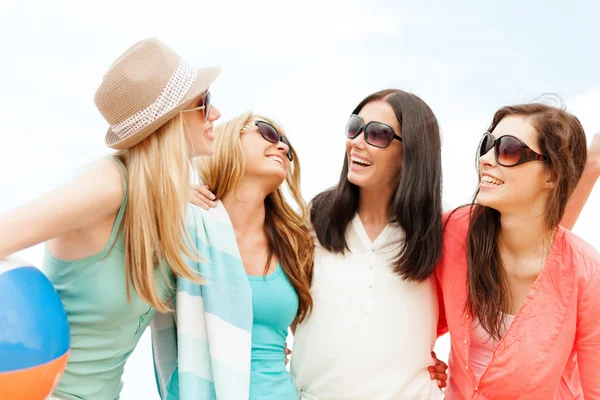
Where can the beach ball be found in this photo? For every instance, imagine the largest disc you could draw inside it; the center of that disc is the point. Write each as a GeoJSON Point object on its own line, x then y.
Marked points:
{"type": "Point", "coordinates": [34, 333]}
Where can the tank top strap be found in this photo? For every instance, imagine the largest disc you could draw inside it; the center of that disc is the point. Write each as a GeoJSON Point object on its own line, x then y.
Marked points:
{"type": "Point", "coordinates": [117, 224]}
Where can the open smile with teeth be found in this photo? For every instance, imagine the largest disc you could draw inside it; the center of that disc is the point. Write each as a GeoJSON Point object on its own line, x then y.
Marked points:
{"type": "Point", "coordinates": [491, 181]}
{"type": "Point", "coordinates": [276, 159]}
{"type": "Point", "coordinates": [360, 161]}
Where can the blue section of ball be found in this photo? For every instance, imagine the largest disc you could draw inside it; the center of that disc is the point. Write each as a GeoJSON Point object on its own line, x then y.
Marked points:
{"type": "Point", "coordinates": [33, 324]}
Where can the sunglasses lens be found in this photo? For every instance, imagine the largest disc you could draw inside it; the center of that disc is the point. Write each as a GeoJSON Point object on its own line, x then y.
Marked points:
{"type": "Point", "coordinates": [353, 126]}
{"type": "Point", "coordinates": [486, 144]}
{"type": "Point", "coordinates": [379, 135]}
{"type": "Point", "coordinates": [508, 150]}
{"type": "Point", "coordinates": [268, 132]}
{"type": "Point", "coordinates": [206, 106]}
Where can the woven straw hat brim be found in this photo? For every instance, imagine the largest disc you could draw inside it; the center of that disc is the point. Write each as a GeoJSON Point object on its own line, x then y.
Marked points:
{"type": "Point", "coordinates": [204, 78]}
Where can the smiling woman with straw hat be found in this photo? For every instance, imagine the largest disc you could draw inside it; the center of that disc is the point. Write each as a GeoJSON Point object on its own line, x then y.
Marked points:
{"type": "Point", "coordinates": [115, 235]}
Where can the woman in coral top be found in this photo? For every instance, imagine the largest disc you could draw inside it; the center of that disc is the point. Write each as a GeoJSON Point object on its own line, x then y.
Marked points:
{"type": "Point", "coordinates": [521, 293]}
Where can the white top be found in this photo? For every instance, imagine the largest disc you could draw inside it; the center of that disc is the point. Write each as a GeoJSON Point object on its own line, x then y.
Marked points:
{"type": "Point", "coordinates": [370, 334]}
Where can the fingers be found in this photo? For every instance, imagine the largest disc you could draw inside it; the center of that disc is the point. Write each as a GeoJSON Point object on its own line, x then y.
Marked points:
{"type": "Point", "coordinates": [438, 362]}
{"type": "Point", "coordinates": [198, 200]}
{"type": "Point", "coordinates": [206, 193]}
{"type": "Point", "coordinates": [438, 371]}
{"type": "Point", "coordinates": [202, 197]}
{"type": "Point", "coordinates": [440, 368]}
{"type": "Point", "coordinates": [287, 352]}
{"type": "Point", "coordinates": [440, 377]}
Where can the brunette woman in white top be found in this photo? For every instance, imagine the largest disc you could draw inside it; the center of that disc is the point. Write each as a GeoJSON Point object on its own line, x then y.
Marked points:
{"type": "Point", "coordinates": [378, 238]}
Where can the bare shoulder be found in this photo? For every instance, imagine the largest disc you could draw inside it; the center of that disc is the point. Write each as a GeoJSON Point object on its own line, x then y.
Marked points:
{"type": "Point", "coordinates": [103, 180]}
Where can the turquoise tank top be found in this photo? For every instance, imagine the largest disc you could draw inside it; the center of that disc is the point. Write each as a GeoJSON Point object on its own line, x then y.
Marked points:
{"type": "Point", "coordinates": [274, 307]}
{"type": "Point", "coordinates": [105, 327]}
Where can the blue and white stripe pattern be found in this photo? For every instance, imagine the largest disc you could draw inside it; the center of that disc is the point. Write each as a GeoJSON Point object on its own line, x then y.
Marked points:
{"type": "Point", "coordinates": [203, 349]}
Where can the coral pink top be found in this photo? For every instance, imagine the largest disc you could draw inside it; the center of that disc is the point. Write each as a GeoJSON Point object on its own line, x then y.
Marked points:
{"type": "Point", "coordinates": [552, 348]}
{"type": "Point", "coordinates": [483, 346]}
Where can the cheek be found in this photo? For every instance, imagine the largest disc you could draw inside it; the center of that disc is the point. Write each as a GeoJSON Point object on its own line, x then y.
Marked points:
{"type": "Point", "coordinates": [253, 151]}
{"type": "Point", "coordinates": [194, 123]}
{"type": "Point", "coordinates": [348, 146]}
{"type": "Point", "coordinates": [526, 184]}
{"type": "Point", "coordinates": [389, 160]}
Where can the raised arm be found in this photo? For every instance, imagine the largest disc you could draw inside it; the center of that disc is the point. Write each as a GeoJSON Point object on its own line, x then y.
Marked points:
{"type": "Point", "coordinates": [586, 184]}
{"type": "Point", "coordinates": [92, 197]}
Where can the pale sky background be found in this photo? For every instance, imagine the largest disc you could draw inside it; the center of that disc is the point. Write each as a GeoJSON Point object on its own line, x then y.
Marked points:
{"type": "Point", "coordinates": [305, 64]}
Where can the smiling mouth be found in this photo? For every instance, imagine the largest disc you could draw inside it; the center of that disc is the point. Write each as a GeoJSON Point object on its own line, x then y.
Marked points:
{"type": "Point", "coordinates": [276, 159]}
{"type": "Point", "coordinates": [488, 180]}
{"type": "Point", "coordinates": [361, 162]}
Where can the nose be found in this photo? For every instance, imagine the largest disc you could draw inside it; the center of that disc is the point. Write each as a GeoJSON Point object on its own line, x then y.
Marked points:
{"type": "Point", "coordinates": [214, 114]}
{"type": "Point", "coordinates": [359, 140]}
{"type": "Point", "coordinates": [488, 159]}
{"type": "Point", "coordinates": [282, 147]}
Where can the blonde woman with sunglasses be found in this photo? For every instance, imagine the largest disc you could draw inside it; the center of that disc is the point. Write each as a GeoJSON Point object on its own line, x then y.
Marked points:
{"type": "Point", "coordinates": [115, 235]}
{"type": "Point", "coordinates": [230, 334]}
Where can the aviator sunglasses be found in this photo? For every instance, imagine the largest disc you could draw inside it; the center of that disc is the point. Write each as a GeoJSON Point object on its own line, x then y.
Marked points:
{"type": "Point", "coordinates": [509, 150]}
{"type": "Point", "coordinates": [270, 134]}
{"type": "Point", "coordinates": [377, 134]}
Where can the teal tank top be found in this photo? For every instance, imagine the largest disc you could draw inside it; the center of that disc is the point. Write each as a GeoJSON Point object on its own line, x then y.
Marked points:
{"type": "Point", "coordinates": [274, 307]}
{"type": "Point", "coordinates": [105, 327]}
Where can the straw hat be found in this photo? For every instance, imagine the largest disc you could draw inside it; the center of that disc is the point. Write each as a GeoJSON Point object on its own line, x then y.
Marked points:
{"type": "Point", "coordinates": [146, 87]}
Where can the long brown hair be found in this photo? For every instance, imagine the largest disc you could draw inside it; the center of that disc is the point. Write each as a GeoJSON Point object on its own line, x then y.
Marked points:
{"type": "Point", "coordinates": [561, 138]}
{"type": "Point", "coordinates": [417, 202]}
{"type": "Point", "coordinates": [287, 233]}
{"type": "Point", "coordinates": [153, 223]}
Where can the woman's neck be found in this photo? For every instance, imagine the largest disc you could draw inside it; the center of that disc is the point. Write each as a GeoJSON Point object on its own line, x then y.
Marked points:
{"type": "Point", "coordinates": [246, 208]}
{"type": "Point", "coordinates": [374, 205]}
{"type": "Point", "coordinates": [523, 237]}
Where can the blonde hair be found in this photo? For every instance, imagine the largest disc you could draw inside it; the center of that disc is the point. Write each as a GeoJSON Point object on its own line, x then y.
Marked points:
{"type": "Point", "coordinates": [153, 224]}
{"type": "Point", "coordinates": [287, 231]}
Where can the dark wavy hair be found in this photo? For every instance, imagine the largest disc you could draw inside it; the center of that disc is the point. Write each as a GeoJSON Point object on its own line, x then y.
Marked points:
{"type": "Point", "coordinates": [561, 138]}
{"type": "Point", "coordinates": [417, 203]}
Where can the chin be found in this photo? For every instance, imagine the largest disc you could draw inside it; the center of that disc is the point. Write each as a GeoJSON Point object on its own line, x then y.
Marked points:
{"type": "Point", "coordinates": [205, 150]}
{"type": "Point", "coordinates": [273, 183]}
{"type": "Point", "coordinates": [356, 180]}
{"type": "Point", "coordinates": [280, 177]}
{"type": "Point", "coordinates": [488, 201]}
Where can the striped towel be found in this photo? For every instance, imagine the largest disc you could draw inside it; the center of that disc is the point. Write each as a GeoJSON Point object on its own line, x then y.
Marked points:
{"type": "Point", "coordinates": [202, 350]}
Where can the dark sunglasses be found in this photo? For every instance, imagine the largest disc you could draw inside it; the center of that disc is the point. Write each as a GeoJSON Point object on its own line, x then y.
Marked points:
{"type": "Point", "coordinates": [509, 150]}
{"type": "Point", "coordinates": [377, 134]}
{"type": "Point", "coordinates": [205, 106]}
{"type": "Point", "coordinates": [270, 134]}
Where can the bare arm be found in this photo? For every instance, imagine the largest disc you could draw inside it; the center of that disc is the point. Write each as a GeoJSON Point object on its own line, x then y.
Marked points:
{"type": "Point", "coordinates": [90, 198]}
{"type": "Point", "coordinates": [584, 187]}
